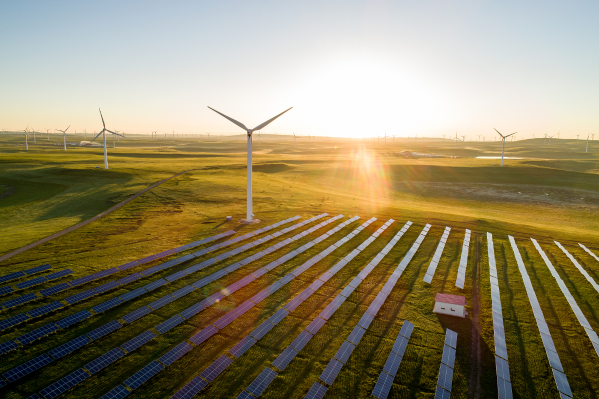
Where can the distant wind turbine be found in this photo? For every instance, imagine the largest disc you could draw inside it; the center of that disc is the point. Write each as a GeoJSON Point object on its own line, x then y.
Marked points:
{"type": "Point", "coordinates": [294, 139]}
{"type": "Point", "coordinates": [249, 132]}
{"type": "Point", "coordinates": [456, 140]}
{"type": "Point", "coordinates": [503, 147]}
{"type": "Point", "coordinates": [33, 130]}
{"type": "Point", "coordinates": [587, 150]}
{"type": "Point", "coordinates": [443, 137]}
{"type": "Point", "coordinates": [393, 139]}
{"type": "Point", "coordinates": [463, 138]}
{"type": "Point", "coordinates": [577, 137]}
{"type": "Point", "coordinates": [27, 132]}
{"type": "Point", "coordinates": [64, 136]}
{"type": "Point", "coordinates": [550, 137]}
{"type": "Point", "coordinates": [103, 133]}
{"type": "Point", "coordinates": [479, 137]}
{"type": "Point", "coordinates": [48, 133]}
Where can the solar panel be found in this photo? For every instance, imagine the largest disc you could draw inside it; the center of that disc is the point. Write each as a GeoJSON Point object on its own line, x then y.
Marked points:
{"type": "Point", "coordinates": [69, 347]}
{"type": "Point", "coordinates": [27, 368]}
{"type": "Point", "coordinates": [176, 353]}
{"type": "Point", "coordinates": [130, 278]}
{"type": "Point", "coordinates": [261, 330]}
{"type": "Point", "coordinates": [143, 375]}
{"type": "Point", "coordinates": [285, 358]}
{"type": "Point", "coordinates": [167, 325]}
{"type": "Point", "coordinates": [11, 276]}
{"type": "Point", "coordinates": [160, 302]}
{"type": "Point", "coordinates": [6, 290]}
{"type": "Point", "coordinates": [13, 321]}
{"type": "Point", "coordinates": [548, 342]}
{"type": "Point", "coordinates": [261, 382]}
{"type": "Point", "coordinates": [317, 391]}
{"type": "Point", "coordinates": [64, 384]}
{"type": "Point", "coordinates": [278, 316]}
{"type": "Point", "coordinates": [133, 294]}
{"type": "Point", "coordinates": [154, 285]}
{"type": "Point", "coordinates": [344, 351]}
{"type": "Point", "coordinates": [406, 329]}
{"type": "Point", "coordinates": [109, 304]}
{"type": "Point", "coordinates": [441, 393]}
{"type": "Point", "coordinates": [59, 274]}
{"type": "Point", "coordinates": [400, 345]}
{"type": "Point", "coordinates": [451, 338]}
{"type": "Point", "coordinates": [19, 300]}
{"type": "Point", "coordinates": [383, 386]}
{"type": "Point", "coordinates": [504, 389]}
{"type": "Point", "coordinates": [315, 325]}
{"type": "Point", "coordinates": [138, 341]}
{"type": "Point", "coordinates": [448, 357]}
{"type": "Point", "coordinates": [500, 348]}
{"type": "Point", "coordinates": [136, 314]}
{"type": "Point", "coordinates": [301, 340]}
{"type": "Point", "coordinates": [242, 346]}
{"type": "Point", "coordinates": [503, 369]}
{"type": "Point", "coordinates": [366, 320]}
{"type": "Point", "coordinates": [80, 296]}
{"type": "Point", "coordinates": [562, 382]}
{"type": "Point", "coordinates": [191, 389]}
{"type": "Point", "coordinates": [30, 283]}
{"type": "Point", "coordinates": [226, 320]}
{"type": "Point", "coordinates": [216, 368]}
{"type": "Point", "coordinates": [104, 360]}
{"type": "Point", "coordinates": [106, 287]}
{"type": "Point", "coordinates": [554, 360]}
{"type": "Point", "coordinates": [191, 311]}
{"type": "Point", "coordinates": [356, 335]}
{"type": "Point", "coordinates": [330, 372]}
{"type": "Point", "coordinates": [105, 329]}
{"type": "Point", "coordinates": [392, 363]}
{"type": "Point", "coordinates": [244, 395]}
{"type": "Point", "coordinates": [74, 318]}
{"type": "Point", "coordinates": [37, 333]}
{"type": "Point", "coordinates": [445, 377]}
{"type": "Point", "coordinates": [204, 334]}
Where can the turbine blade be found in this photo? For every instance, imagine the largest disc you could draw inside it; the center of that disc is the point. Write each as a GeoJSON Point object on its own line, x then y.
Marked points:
{"type": "Point", "coordinates": [103, 124]}
{"type": "Point", "coordinates": [500, 133]}
{"type": "Point", "coordinates": [241, 125]}
{"type": "Point", "coordinates": [110, 131]}
{"type": "Point", "coordinates": [511, 134]}
{"type": "Point", "coordinates": [102, 131]}
{"type": "Point", "coordinates": [66, 129]}
{"type": "Point", "coordinates": [262, 126]}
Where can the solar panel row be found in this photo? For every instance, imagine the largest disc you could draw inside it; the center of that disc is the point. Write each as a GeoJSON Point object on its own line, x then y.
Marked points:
{"type": "Point", "coordinates": [503, 372]}
{"type": "Point", "coordinates": [560, 378]}
{"type": "Point", "coordinates": [15, 275]}
{"type": "Point", "coordinates": [461, 278]}
{"type": "Point", "coordinates": [590, 252]}
{"type": "Point", "coordinates": [430, 272]}
{"type": "Point", "coordinates": [385, 381]}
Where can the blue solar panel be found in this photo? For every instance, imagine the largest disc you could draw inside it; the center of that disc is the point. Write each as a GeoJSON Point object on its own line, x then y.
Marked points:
{"type": "Point", "coordinates": [31, 283]}
{"type": "Point", "coordinates": [169, 324]}
{"type": "Point", "coordinates": [104, 330]}
{"type": "Point", "coordinates": [317, 391]}
{"type": "Point", "coordinates": [154, 284]}
{"type": "Point", "coordinates": [183, 291]}
{"type": "Point", "coordinates": [160, 302]}
{"type": "Point", "coordinates": [130, 278]}
{"type": "Point", "coordinates": [301, 340]}
{"type": "Point", "coordinates": [242, 346]}
{"type": "Point", "coordinates": [74, 318]}
{"type": "Point", "coordinates": [344, 351]}
{"type": "Point", "coordinates": [285, 358]}
{"type": "Point", "coordinates": [448, 357]}
{"type": "Point", "coordinates": [117, 392]}
{"type": "Point", "coordinates": [27, 368]}
{"type": "Point", "coordinates": [441, 393]}
{"type": "Point", "coordinates": [445, 377]}
{"type": "Point", "coordinates": [204, 334]}
{"type": "Point", "coordinates": [7, 346]}
{"type": "Point", "coordinates": [244, 395]}
{"type": "Point", "coordinates": [69, 347]}
{"type": "Point", "coordinates": [104, 273]}
{"type": "Point", "coordinates": [262, 382]}
{"type": "Point", "coordinates": [55, 289]}
{"type": "Point", "coordinates": [330, 372]}
{"type": "Point", "coordinates": [366, 320]}
{"type": "Point", "coordinates": [13, 321]}
{"type": "Point", "coordinates": [104, 360]}
{"type": "Point", "coordinates": [406, 329]}
{"type": "Point", "coordinates": [11, 276]}
{"type": "Point", "coordinates": [37, 333]}
{"type": "Point", "coordinates": [216, 368]}
{"type": "Point", "coordinates": [176, 353]}
{"type": "Point", "coordinates": [152, 270]}
{"type": "Point", "coordinates": [42, 310]}
{"type": "Point", "coordinates": [20, 300]}
{"type": "Point", "coordinates": [133, 294]}
{"type": "Point", "coordinates": [6, 290]}
{"type": "Point", "coordinates": [62, 273]}
{"type": "Point", "coordinates": [82, 280]}
{"type": "Point", "coordinates": [64, 384]}
{"type": "Point", "coordinates": [143, 375]}
{"type": "Point", "coordinates": [106, 287]}
{"type": "Point", "coordinates": [392, 364]}
{"type": "Point", "coordinates": [400, 345]}
{"type": "Point", "coordinates": [356, 335]}
{"type": "Point", "coordinates": [192, 310]}
{"type": "Point", "coordinates": [109, 304]}
{"type": "Point", "coordinates": [226, 320]}
{"type": "Point", "coordinates": [136, 314]}
{"type": "Point", "coordinates": [138, 341]}
{"type": "Point", "coordinates": [191, 389]}
{"type": "Point", "coordinates": [316, 324]}
{"type": "Point", "coordinates": [80, 296]}
{"type": "Point", "coordinates": [261, 330]}
{"type": "Point", "coordinates": [37, 269]}
{"type": "Point", "coordinates": [383, 386]}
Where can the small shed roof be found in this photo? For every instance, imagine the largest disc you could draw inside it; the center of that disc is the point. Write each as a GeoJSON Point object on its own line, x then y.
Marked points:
{"type": "Point", "coordinates": [452, 299]}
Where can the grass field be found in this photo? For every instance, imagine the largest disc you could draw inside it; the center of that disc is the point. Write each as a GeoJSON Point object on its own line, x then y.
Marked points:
{"type": "Point", "coordinates": [551, 193]}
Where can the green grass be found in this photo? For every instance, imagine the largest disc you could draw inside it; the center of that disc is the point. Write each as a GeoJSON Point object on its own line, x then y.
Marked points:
{"type": "Point", "coordinates": [45, 190]}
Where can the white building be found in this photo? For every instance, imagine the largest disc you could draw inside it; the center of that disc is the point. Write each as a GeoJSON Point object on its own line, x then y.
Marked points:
{"type": "Point", "coordinates": [453, 305]}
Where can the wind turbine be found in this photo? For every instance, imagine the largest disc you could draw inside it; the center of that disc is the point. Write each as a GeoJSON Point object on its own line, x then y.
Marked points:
{"type": "Point", "coordinates": [479, 137]}
{"type": "Point", "coordinates": [393, 139]}
{"type": "Point", "coordinates": [103, 133]}
{"type": "Point", "coordinates": [456, 140]}
{"type": "Point", "coordinates": [550, 137]}
{"type": "Point", "coordinates": [385, 142]}
{"type": "Point", "coordinates": [249, 132]}
{"type": "Point", "coordinates": [33, 130]}
{"type": "Point", "coordinates": [443, 137]}
{"type": "Point", "coordinates": [463, 139]}
{"type": "Point", "coordinates": [503, 147]}
{"type": "Point", "coordinates": [64, 136]}
{"type": "Point", "coordinates": [577, 137]}
{"type": "Point", "coordinates": [85, 133]}
{"type": "Point", "coordinates": [294, 140]}
{"type": "Point", "coordinates": [587, 150]}
{"type": "Point", "coordinates": [48, 133]}
{"type": "Point", "coordinates": [27, 145]}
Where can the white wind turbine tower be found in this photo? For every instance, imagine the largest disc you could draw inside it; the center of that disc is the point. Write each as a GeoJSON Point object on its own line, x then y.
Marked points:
{"type": "Point", "coordinates": [103, 133]}
{"type": "Point", "coordinates": [64, 136]}
{"type": "Point", "coordinates": [587, 150]}
{"type": "Point", "coordinates": [294, 140]}
{"type": "Point", "coordinates": [463, 139]}
{"type": "Point", "coordinates": [393, 139]}
{"type": "Point", "coordinates": [456, 140]}
{"type": "Point", "coordinates": [249, 213]}
{"type": "Point", "coordinates": [27, 145]}
{"type": "Point", "coordinates": [33, 130]}
{"type": "Point", "coordinates": [85, 133]}
{"type": "Point", "coordinates": [550, 137]}
{"type": "Point", "coordinates": [503, 147]}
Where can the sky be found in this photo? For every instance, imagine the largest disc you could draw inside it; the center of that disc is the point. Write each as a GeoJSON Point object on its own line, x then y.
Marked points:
{"type": "Point", "coordinates": [348, 68]}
